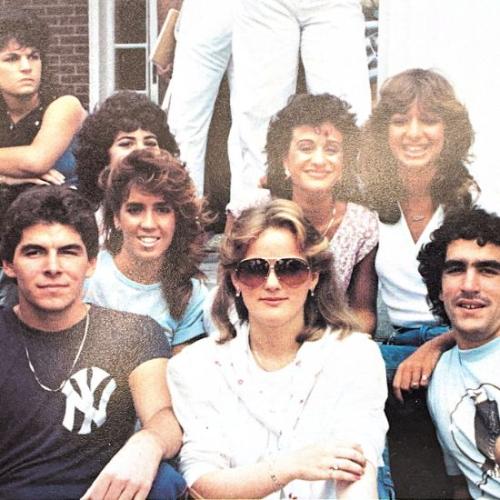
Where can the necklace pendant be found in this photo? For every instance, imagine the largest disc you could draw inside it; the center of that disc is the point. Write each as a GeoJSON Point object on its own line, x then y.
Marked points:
{"type": "Point", "coordinates": [417, 218]}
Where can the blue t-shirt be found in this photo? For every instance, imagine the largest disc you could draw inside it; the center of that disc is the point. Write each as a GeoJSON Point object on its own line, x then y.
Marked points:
{"type": "Point", "coordinates": [464, 401]}
{"type": "Point", "coordinates": [108, 287]}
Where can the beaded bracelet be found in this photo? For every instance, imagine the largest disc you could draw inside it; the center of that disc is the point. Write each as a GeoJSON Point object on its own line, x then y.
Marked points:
{"type": "Point", "coordinates": [273, 476]}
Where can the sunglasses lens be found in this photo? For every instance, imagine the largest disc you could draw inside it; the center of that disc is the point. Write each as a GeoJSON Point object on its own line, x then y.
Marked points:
{"type": "Point", "coordinates": [292, 272]}
{"type": "Point", "coordinates": [252, 272]}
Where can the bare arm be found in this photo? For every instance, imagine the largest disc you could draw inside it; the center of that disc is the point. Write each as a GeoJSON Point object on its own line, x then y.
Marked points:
{"type": "Point", "coordinates": [362, 292]}
{"type": "Point", "coordinates": [51, 177]}
{"type": "Point", "coordinates": [311, 463]}
{"type": "Point", "coordinates": [61, 121]}
{"type": "Point", "coordinates": [131, 471]}
{"type": "Point", "coordinates": [415, 371]}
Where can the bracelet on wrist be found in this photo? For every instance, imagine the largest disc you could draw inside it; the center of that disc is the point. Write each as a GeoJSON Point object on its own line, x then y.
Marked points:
{"type": "Point", "coordinates": [272, 474]}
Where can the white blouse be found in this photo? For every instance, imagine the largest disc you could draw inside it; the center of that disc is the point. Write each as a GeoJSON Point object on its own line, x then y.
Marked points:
{"type": "Point", "coordinates": [401, 286]}
{"type": "Point", "coordinates": [234, 413]}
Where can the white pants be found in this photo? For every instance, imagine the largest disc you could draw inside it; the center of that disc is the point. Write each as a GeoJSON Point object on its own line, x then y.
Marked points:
{"type": "Point", "coordinates": [203, 54]}
{"type": "Point", "coordinates": [268, 37]}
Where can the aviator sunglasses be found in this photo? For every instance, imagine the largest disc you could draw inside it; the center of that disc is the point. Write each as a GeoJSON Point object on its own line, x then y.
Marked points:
{"type": "Point", "coordinates": [290, 271]}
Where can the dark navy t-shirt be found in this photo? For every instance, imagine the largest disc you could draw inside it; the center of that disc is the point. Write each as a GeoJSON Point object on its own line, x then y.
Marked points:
{"type": "Point", "coordinates": [54, 444]}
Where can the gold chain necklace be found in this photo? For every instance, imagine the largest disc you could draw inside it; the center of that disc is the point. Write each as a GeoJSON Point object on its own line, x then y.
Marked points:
{"type": "Point", "coordinates": [30, 364]}
{"type": "Point", "coordinates": [330, 222]}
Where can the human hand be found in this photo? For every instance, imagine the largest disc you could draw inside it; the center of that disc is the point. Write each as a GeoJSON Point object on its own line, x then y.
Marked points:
{"type": "Point", "coordinates": [131, 472]}
{"type": "Point", "coordinates": [165, 72]}
{"type": "Point", "coordinates": [341, 461]}
{"type": "Point", "coordinates": [415, 371]}
{"type": "Point", "coordinates": [53, 177]}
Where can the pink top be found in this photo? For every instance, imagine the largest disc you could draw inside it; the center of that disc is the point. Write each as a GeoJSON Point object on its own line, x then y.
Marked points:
{"type": "Point", "coordinates": [354, 239]}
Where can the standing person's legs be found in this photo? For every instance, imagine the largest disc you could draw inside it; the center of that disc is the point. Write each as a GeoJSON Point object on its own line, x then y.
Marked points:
{"type": "Point", "coordinates": [202, 56]}
{"type": "Point", "coordinates": [333, 51]}
{"type": "Point", "coordinates": [265, 48]}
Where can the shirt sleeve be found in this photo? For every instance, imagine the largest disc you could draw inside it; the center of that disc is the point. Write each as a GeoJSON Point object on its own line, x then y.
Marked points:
{"type": "Point", "coordinates": [140, 338]}
{"type": "Point", "coordinates": [191, 324]}
{"type": "Point", "coordinates": [205, 445]}
{"type": "Point", "coordinates": [359, 415]}
{"type": "Point", "coordinates": [369, 237]}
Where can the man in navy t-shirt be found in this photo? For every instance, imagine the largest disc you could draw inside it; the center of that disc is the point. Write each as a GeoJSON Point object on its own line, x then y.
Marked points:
{"type": "Point", "coordinates": [73, 378]}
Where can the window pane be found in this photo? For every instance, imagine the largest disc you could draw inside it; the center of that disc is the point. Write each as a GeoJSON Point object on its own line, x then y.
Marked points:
{"type": "Point", "coordinates": [130, 69]}
{"type": "Point", "coordinates": [130, 19]}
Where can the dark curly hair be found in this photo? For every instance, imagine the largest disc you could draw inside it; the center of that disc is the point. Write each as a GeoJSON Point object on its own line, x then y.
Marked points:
{"type": "Point", "coordinates": [325, 308]}
{"type": "Point", "coordinates": [49, 205]}
{"type": "Point", "coordinates": [161, 174]}
{"type": "Point", "coordinates": [312, 110]}
{"type": "Point", "coordinates": [125, 111]}
{"type": "Point", "coordinates": [472, 225]}
{"type": "Point", "coordinates": [452, 183]}
{"type": "Point", "coordinates": [28, 30]}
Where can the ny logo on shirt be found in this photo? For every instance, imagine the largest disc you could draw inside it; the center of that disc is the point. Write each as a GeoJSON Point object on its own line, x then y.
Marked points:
{"type": "Point", "coordinates": [83, 399]}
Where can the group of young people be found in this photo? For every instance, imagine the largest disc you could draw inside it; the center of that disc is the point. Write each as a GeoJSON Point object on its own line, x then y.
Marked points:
{"type": "Point", "coordinates": [286, 397]}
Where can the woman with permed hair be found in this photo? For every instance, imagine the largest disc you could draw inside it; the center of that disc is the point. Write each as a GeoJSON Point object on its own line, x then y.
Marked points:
{"type": "Point", "coordinates": [415, 151]}
{"type": "Point", "coordinates": [124, 122]}
{"type": "Point", "coordinates": [153, 224]}
{"type": "Point", "coordinates": [312, 148]}
{"type": "Point", "coordinates": [288, 401]}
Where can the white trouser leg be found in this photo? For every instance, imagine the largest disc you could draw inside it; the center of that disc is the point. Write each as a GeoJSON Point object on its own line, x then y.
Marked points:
{"type": "Point", "coordinates": [202, 56]}
{"type": "Point", "coordinates": [265, 49]}
{"type": "Point", "coordinates": [334, 52]}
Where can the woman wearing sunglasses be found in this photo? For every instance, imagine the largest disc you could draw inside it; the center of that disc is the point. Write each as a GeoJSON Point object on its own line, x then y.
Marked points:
{"type": "Point", "coordinates": [273, 407]}
{"type": "Point", "coordinates": [312, 148]}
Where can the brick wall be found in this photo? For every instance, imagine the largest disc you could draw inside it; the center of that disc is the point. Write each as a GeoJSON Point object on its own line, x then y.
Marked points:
{"type": "Point", "coordinates": [69, 49]}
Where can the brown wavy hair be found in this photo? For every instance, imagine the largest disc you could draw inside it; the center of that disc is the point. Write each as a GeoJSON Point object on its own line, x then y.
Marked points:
{"type": "Point", "coordinates": [326, 308]}
{"type": "Point", "coordinates": [451, 186]}
{"type": "Point", "coordinates": [124, 111]}
{"type": "Point", "coordinates": [161, 174]}
{"type": "Point", "coordinates": [312, 110]}
{"type": "Point", "coordinates": [29, 30]}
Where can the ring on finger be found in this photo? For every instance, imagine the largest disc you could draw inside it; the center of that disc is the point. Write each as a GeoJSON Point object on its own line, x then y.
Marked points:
{"type": "Point", "coordinates": [334, 467]}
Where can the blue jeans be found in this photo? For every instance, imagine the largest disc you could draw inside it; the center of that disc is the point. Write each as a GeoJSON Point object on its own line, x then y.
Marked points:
{"type": "Point", "coordinates": [385, 485]}
{"type": "Point", "coordinates": [404, 342]}
{"type": "Point", "coordinates": [168, 483]}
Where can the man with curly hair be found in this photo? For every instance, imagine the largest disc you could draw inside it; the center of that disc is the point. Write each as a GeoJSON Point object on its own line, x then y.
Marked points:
{"type": "Point", "coordinates": [461, 269]}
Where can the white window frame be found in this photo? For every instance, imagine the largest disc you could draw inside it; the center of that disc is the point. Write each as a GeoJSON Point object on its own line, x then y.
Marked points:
{"type": "Point", "coordinates": [102, 48]}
